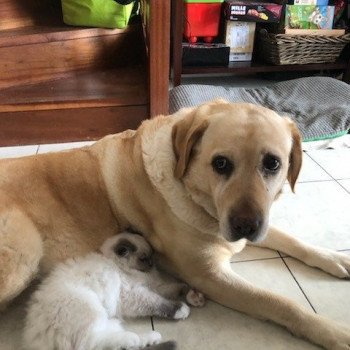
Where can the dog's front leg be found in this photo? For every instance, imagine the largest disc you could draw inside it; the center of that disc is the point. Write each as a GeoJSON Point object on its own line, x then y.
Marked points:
{"type": "Point", "coordinates": [336, 264]}
{"type": "Point", "coordinates": [222, 285]}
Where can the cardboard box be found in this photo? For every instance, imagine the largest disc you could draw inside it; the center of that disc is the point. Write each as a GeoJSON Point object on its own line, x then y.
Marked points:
{"type": "Point", "coordinates": [252, 11]}
{"type": "Point", "coordinates": [239, 36]}
{"type": "Point", "coordinates": [309, 17]}
{"type": "Point", "coordinates": [311, 2]}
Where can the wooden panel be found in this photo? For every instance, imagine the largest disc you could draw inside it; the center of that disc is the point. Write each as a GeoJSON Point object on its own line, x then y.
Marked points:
{"type": "Point", "coordinates": [45, 34]}
{"type": "Point", "coordinates": [20, 128]}
{"type": "Point", "coordinates": [27, 64]}
{"type": "Point", "coordinates": [116, 87]}
{"type": "Point", "coordinates": [177, 30]}
{"type": "Point", "coordinates": [156, 24]}
{"type": "Point", "coordinates": [22, 13]}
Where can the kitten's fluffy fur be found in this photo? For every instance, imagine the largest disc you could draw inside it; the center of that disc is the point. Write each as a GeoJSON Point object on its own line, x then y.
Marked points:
{"type": "Point", "coordinates": [80, 305]}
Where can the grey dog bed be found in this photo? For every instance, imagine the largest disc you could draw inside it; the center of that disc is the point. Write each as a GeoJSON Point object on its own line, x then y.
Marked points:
{"type": "Point", "coordinates": [319, 105]}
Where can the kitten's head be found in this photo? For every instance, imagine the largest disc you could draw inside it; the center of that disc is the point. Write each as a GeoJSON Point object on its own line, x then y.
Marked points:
{"type": "Point", "coordinates": [129, 251]}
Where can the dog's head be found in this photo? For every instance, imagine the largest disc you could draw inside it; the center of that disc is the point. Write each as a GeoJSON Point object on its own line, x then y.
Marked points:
{"type": "Point", "coordinates": [233, 160]}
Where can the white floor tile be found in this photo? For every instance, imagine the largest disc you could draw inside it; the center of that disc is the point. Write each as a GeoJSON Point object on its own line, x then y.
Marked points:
{"type": "Point", "coordinates": [139, 325]}
{"type": "Point", "coordinates": [56, 147]}
{"type": "Point", "coordinates": [345, 184]}
{"type": "Point", "coordinates": [317, 213]}
{"type": "Point", "coordinates": [18, 151]}
{"type": "Point", "coordinates": [311, 171]}
{"type": "Point", "coordinates": [254, 253]}
{"type": "Point", "coordinates": [328, 295]}
{"type": "Point", "coordinates": [216, 327]}
{"type": "Point", "coordinates": [335, 162]}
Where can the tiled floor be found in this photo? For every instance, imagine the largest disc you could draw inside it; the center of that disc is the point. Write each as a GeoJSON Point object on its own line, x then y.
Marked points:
{"type": "Point", "coordinates": [318, 213]}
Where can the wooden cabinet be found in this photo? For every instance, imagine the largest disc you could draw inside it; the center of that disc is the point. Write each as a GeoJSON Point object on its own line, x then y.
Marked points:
{"type": "Point", "coordinates": [240, 68]}
{"type": "Point", "coordinates": [60, 83]}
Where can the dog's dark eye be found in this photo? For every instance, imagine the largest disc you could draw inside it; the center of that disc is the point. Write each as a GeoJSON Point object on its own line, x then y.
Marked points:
{"type": "Point", "coordinates": [271, 163]}
{"type": "Point", "coordinates": [222, 165]}
{"type": "Point", "coordinates": [122, 251]}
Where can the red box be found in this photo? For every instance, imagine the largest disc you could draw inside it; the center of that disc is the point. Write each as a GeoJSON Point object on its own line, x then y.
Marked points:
{"type": "Point", "coordinates": [201, 20]}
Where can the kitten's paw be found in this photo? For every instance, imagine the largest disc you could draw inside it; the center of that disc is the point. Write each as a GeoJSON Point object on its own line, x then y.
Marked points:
{"type": "Point", "coordinates": [150, 338]}
{"type": "Point", "coordinates": [195, 298]}
{"type": "Point", "coordinates": [182, 312]}
{"type": "Point", "coordinates": [127, 340]}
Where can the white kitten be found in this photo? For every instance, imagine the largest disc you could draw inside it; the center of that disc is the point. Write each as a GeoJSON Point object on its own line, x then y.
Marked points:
{"type": "Point", "coordinates": [81, 304]}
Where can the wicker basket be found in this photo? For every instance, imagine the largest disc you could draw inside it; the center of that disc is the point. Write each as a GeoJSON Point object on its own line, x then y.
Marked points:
{"type": "Point", "coordinates": [282, 49]}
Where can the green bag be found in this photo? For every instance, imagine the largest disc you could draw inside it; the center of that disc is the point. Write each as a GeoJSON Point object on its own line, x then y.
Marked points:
{"type": "Point", "coordinates": [96, 13]}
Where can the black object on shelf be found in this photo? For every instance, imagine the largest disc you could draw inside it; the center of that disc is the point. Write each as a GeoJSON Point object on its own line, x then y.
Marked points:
{"type": "Point", "coordinates": [124, 2]}
{"type": "Point", "coordinates": [202, 54]}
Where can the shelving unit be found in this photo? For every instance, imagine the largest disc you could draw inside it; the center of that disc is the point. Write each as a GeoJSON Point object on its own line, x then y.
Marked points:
{"type": "Point", "coordinates": [60, 83]}
{"type": "Point", "coordinates": [241, 68]}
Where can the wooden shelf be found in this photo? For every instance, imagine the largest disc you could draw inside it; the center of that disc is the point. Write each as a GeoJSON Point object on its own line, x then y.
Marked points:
{"type": "Point", "coordinates": [239, 68]}
{"type": "Point", "coordinates": [114, 87]}
{"type": "Point", "coordinates": [86, 106]}
{"type": "Point", "coordinates": [256, 67]}
{"type": "Point", "coordinates": [45, 34]}
{"type": "Point", "coordinates": [61, 83]}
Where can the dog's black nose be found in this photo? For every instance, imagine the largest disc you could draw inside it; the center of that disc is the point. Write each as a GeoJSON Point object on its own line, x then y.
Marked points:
{"type": "Point", "coordinates": [243, 227]}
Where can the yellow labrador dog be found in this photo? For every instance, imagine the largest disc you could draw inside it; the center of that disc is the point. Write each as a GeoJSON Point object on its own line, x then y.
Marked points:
{"type": "Point", "coordinates": [199, 184]}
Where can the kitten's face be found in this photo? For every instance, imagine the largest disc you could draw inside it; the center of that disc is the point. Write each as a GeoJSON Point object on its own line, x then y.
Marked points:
{"type": "Point", "coordinates": [129, 251]}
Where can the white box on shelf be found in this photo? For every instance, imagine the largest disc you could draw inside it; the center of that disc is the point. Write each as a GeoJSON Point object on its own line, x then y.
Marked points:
{"type": "Point", "coordinates": [240, 37]}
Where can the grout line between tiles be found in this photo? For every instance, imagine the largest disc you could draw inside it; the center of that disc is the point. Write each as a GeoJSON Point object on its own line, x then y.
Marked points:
{"type": "Point", "coordinates": [343, 186]}
{"type": "Point", "coordinates": [308, 181]}
{"type": "Point", "coordinates": [250, 260]}
{"type": "Point", "coordinates": [343, 250]}
{"type": "Point", "coordinates": [296, 281]}
{"type": "Point", "coordinates": [336, 180]}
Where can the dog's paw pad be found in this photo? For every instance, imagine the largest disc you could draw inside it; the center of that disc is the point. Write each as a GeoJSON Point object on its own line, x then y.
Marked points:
{"type": "Point", "coordinates": [195, 298]}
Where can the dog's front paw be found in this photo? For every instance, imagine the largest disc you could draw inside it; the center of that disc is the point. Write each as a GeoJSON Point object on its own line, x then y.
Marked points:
{"type": "Point", "coordinates": [343, 341]}
{"type": "Point", "coordinates": [182, 312]}
{"type": "Point", "coordinates": [195, 298]}
{"type": "Point", "coordinates": [336, 264]}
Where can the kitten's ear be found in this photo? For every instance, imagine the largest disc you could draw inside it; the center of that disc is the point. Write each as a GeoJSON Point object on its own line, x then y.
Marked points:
{"type": "Point", "coordinates": [107, 248]}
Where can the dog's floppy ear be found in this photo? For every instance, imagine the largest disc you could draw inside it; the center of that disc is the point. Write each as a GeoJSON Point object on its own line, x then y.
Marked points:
{"type": "Point", "coordinates": [185, 134]}
{"type": "Point", "coordinates": [296, 155]}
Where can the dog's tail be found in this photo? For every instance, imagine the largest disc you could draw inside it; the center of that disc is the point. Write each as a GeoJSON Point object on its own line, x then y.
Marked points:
{"type": "Point", "coordinates": [169, 345]}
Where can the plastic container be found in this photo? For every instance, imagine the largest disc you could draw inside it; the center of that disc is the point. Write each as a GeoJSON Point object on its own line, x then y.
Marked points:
{"type": "Point", "coordinates": [96, 13]}
{"type": "Point", "coordinates": [201, 20]}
